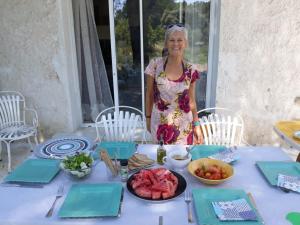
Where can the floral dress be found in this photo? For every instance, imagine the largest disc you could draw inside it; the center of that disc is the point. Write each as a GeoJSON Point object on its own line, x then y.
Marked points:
{"type": "Point", "coordinates": [171, 115]}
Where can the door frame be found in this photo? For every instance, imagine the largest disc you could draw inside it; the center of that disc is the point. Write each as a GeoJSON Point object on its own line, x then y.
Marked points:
{"type": "Point", "coordinates": [69, 71]}
{"type": "Point", "coordinates": [114, 57]}
{"type": "Point", "coordinates": [213, 53]}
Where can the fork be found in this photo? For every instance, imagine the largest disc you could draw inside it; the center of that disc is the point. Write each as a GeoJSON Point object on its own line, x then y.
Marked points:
{"type": "Point", "coordinates": [59, 194]}
{"type": "Point", "coordinates": [188, 199]}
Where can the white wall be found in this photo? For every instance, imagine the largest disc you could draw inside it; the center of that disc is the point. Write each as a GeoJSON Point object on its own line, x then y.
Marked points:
{"type": "Point", "coordinates": [259, 63]}
{"type": "Point", "coordinates": [34, 60]}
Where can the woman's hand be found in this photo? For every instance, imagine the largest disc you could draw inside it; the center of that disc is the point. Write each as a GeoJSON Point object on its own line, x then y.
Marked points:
{"type": "Point", "coordinates": [149, 100]}
{"type": "Point", "coordinates": [148, 122]}
{"type": "Point", "coordinates": [198, 137]}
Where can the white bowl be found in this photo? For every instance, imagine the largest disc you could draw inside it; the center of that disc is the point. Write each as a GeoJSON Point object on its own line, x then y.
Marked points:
{"type": "Point", "coordinates": [80, 173]}
{"type": "Point", "coordinates": [177, 163]}
{"type": "Point", "coordinates": [297, 134]}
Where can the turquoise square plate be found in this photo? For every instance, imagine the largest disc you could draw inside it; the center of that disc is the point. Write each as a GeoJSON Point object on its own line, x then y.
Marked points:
{"type": "Point", "coordinates": [34, 171]}
{"type": "Point", "coordinates": [121, 150]}
{"type": "Point", "coordinates": [205, 212]}
{"type": "Point", "coordinates": [203, 151]}
{"type": "Point", "coordinates": [92, 200]}
{"type": "Point", "coordinates": [271, 169]}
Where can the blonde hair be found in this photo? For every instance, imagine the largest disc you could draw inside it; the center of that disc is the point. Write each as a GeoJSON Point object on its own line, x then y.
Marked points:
{"type": "Point", "coordinates": [176, 28]}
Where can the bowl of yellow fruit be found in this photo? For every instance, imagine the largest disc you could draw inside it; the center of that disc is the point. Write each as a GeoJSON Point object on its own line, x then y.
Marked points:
{"type": "Point", "coordinates": [210, 171]}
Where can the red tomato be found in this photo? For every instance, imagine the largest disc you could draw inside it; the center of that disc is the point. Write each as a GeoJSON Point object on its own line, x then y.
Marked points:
{"type": "Point", "coordinates": [224, 175]}
{"type": "Point", "coordinates": [218, 176]}
{"type": "Point", "coordinates": [207, 175]}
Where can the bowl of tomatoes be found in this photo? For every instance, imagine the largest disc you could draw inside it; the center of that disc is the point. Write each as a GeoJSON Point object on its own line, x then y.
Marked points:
{"type": "Point", "coordinates": [210, 171]}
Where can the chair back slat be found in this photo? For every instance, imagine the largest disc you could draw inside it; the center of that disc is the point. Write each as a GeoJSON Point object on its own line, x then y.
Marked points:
{"type": "Point", "coordinates": [126, 125]}
{"type": "Point", "coordinates": [115, 125]}
{"type": "Point", "coordinates": [204, 130]}
{"type": "Point", "coordinates": [105, 124]}
{"type": "Point", "coordinates": [218, 129]}
{"type": "Point", "coordinates": [130, 127]}
{"type": "Point", "coordinates": [221, 129]}
{"type": "Point", "coordinates": [137, 118]}
{"type": "Point", "coordinates": [15, 107]}
{"type": "Point", "coordinates": [3, 111]}
{"type": "Point", "coordinates": [234, 128]}
{"type": "Point", "coordinates": [122, 126]}
{"type": "Point", "coordinates": [97, 124]}
{"type": "Point", "coordinates": [120, 123]}
{"type": "Point", "coordinates": [107, 127]}
{"type": "Point", "coordinates": [111, 127]}
{"type": "Point", "coordinates": [228, 130]}
{"type": "Point", "coordinates": [208, 128]}
{"type": "Point", "coordinates": [10, 109]}
{"type": "Point", "coordinates": [212, 128]}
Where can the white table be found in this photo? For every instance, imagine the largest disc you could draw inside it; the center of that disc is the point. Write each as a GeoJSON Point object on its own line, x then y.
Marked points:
{"type": "Point", "coordinates": [29, 205]}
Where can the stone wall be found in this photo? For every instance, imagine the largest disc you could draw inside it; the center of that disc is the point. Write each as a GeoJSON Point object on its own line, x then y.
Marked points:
{"type": "Point", "coordinates": [259, 64]}
{"type": "Point", "coordinates": [31, 61]}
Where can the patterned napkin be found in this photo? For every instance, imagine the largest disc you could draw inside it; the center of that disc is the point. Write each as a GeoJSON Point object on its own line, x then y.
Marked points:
{"type": "Point", "coordinates": [289, 182]}
{"type": "Point", "coordinates": [235, 210]}
{"type": "Point", "coordinates": [227, 156]}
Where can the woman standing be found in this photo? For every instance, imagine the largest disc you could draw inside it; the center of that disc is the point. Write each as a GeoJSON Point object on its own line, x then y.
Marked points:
{"type": "Point", "coordinates": [171, 110]}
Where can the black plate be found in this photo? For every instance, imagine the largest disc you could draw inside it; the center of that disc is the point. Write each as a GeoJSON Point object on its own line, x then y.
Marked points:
{"type": "Point", "coordinates": [180, 188]}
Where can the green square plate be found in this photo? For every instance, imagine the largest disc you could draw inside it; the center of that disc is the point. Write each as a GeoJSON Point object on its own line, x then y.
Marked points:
{"type": "Point", "coordinates": [203, 151]}
{"type": "Point", "coordinates": [122, 150]}
{"type": "Point", "coordinates": [271, 169]}
{"type": "Point", "coordinates": [34, 171]}
{"type": "Point", "coordinates": [204, 209]}
{"type": "Point", "coordinates": [92, 200]}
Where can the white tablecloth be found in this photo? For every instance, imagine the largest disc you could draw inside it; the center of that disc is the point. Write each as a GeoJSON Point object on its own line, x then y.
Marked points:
{"type": "Point", "coordinates": [29, 205]}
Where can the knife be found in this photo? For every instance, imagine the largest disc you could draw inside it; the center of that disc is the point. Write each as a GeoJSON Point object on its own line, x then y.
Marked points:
{"type": "Point", "coordinates": [22, 185]}
{"type": "Point", "coordinates": [160, 220]}
{"type": "Point", "coordinates": [121, 201]}
{"type": "Point", "coordinates": [255, 207]}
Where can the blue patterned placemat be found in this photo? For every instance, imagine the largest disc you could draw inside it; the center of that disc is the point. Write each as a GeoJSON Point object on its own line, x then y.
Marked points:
{"type": "Point", "coordinates": [289, 182]}
{"type": "Point", "coordinates": [227, 155]}
{"type": "Point", "coordinates": [234, 210]}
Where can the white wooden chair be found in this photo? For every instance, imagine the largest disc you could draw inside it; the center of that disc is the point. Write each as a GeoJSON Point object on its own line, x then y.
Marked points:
{"type": "Point", "coordinates": [221, 127]}
{"type": "Point", "coordinates": [120, 124]}
{"type": "Point", "coordinates": [13, 121]}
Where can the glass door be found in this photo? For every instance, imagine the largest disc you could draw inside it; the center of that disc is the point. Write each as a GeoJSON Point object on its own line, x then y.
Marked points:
{"type": "Point", "coordinates": [125, 25]}
{"type": "Point", "coordinates": [195, 15]}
